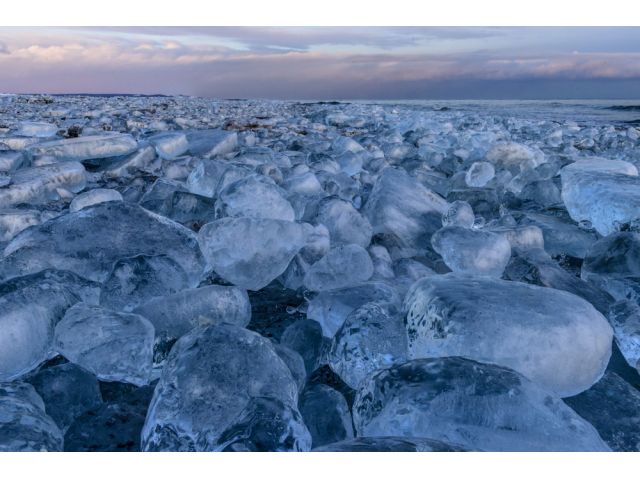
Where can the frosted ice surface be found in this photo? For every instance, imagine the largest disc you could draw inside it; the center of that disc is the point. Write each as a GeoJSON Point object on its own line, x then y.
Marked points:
{"type": "Point", "coordinates": [69, 242]}
{"type": "Point", "coordinates": [24, 425]}
{"type": "Point", "coordinates": [93, 197]}
{"type": "Point", "coordinates": [478, 406]}
{"type": "Point", "coordinates": [38, 185]}
{"type": "Point", "coordinates": [403, 213]}
{"type": "Point", "coordinates": [472, 251]}
{"type": "Point", "coordinates": [554, 338]}
{"type": "Point", "coordinates": [29, 309]}
{"type": "Point", "coordinates": [174, 315]}
{"type": "Point", "coordinates": [209, 383]}
{"type": "Point", "coordinates": [343, 266]}
{"type": "Point", "coordinates": [86, 147]}
{"type": "Point", "coordinates": [252, 252]}
{"type": "Point", "coordinates": [372, 337]}
{"type": "Point", "coordinates": [112, 345]}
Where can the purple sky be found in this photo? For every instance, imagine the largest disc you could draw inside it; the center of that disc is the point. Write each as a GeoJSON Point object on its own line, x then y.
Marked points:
{"type": "Point", "coordinates": [325, 62]}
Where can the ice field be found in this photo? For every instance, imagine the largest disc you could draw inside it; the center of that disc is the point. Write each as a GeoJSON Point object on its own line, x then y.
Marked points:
{"type": "Point", "coordinates": [189, 274]}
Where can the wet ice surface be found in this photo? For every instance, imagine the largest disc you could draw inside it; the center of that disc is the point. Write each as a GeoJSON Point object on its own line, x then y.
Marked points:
{"type": "Point", "coordinates": [188, 274]}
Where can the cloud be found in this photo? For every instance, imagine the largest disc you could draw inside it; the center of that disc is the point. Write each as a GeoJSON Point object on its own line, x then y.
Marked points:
{"type": "Point", "coordinates": [287, 63]}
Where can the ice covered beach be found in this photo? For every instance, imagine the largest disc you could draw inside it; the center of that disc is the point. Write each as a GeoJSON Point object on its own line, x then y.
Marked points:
{"type": "Point", "coordinates": [186, 274]}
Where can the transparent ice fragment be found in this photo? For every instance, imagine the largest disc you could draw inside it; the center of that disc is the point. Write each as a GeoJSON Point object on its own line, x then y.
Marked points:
{"type": "Point", "coordinates": [93, 197]}
{"type": "Point", "coordinates": [252, 252]}
{"type": "Point", "coordinates": [478, 406]}
{"type": "Point", "coordinates": [70, 242]}
{"type": "Point", "coordinates": [37, 185]}
{"type": "Point", "coordinates": [554, 338]}
{"type": "Point", "coordinates": [24, 425]}
{"type": "Point", "coordinates": [472, 251]}
{"type": "Point", "coordinates": [210, 380]}
{"type": "Point", "coordinates": [174, 315]}
{"type": "Point", "coordinates": [326, 415]}
{"type": "Point", "coordinates": [342, 267]}
{"type": "Point", "coordinates": [86, 147]}
{"type": "Point", "coordinates": [372, 337]}
{"type": "Point", "coordinates": [112, 345]}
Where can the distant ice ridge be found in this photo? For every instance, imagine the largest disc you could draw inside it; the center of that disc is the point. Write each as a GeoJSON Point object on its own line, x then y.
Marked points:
{"type": "Point", "coordinates": [181, 273]}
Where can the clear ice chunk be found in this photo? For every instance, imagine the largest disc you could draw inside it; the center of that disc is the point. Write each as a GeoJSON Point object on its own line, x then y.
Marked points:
{"type": "Point", "coordinates": [29, 309]}
{"type": "Point", "coordinates": [68, 391]}
{"type": "Point", "coordinates": [326, 415]}
{"type": "Point", "coordinates": [71, 242]}
{"type": "Point", "coordinates": [114, 346]}
{"type": "Point", "coordinates": [254, 196]}
{"type": "Point", "coordinates": [176, 314]}
{"type": "Point", "coordinates": [36, 129]}
{"type": "Point", "coordinates": [372, 337]}
{"type": "Point", "coordinates": [479, 174]}
{"type": "Point", "coordinates": [478, 406]}
{"type": "Point", "coordinates": [24, 425]}
{"type": "Point", "coordinates": [612, 406]}
{"type": "Point", "coordinates": [86, 147]}
{"type": "Point", "coordinates": [472, 251]}
{"type": "Point", "coordinates": [344, 266]}
{"type": "Point", "coordinates": [331, 307]}
{"type": "Point", "coordinates": [93, 197]}
{"type": "Point", "coordinates": [612, 264]}
{"type": "Point", "coordinates": [345, 224]}
{"type": "Point", "coordinates": [252, 252]}
{"type": "Point", "coordinates": [554, 338]}
{"type": "Point", "coordinates": [403, 213]}
{"type": "Point", "coordinates": [139, 279]}
{"type": "Point", "coordinates": [169, 145]}
{"type": "Point", "coordinates": [607, 196]}
{"type": "Point", "coordinates": [210, 380]}
{"type": "Point", "coordinates": [37, 185]}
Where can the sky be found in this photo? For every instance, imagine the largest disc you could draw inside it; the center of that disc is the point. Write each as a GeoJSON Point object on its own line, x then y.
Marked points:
{"type": "Point", "coordinates": [325, 62]}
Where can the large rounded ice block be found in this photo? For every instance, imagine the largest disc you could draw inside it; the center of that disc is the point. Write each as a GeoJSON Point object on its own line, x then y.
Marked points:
{"type": "Point", "coordinates": [252, 252]}
{"type": "Point", "coordinates": [88, 243]}
{"type": "Point", "coordinates": [209, 387]}
{"type": "Point", "coordinates": [554, 338]}
{"type": "Point", "coordinates": [478, 406]}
